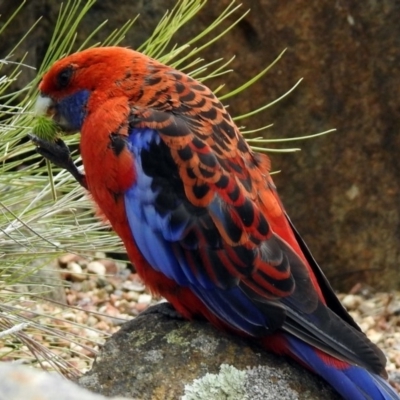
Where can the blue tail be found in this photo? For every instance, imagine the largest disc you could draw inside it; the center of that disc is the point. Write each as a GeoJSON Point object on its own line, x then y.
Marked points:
{"type": "Point", "coordinates": [352, 382]}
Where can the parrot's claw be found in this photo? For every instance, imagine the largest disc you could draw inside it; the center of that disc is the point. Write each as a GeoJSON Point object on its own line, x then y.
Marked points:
{"type": "Point", "coordinates": [58, 153]}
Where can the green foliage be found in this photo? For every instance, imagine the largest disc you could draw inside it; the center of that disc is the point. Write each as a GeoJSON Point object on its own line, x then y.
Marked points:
{"type": "Point", "coordinates": [45, 128]}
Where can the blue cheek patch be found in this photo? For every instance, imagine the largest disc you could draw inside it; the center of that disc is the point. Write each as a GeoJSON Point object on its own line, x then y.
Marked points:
{"type": "Point", "coordinates": [72, 109]}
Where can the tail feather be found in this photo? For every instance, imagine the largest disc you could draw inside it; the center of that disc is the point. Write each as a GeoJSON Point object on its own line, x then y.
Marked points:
{"type": "Point", "coordinates": [350, 381]}
{"type": "Point", "coordinates": [374, 386]}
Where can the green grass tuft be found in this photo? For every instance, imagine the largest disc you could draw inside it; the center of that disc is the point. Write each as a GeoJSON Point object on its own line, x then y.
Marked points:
{"type": "Point", "coordinates": [45, 128]}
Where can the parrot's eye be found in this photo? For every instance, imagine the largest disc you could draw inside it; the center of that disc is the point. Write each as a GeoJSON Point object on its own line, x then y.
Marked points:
{"type": "Point", "coordinates": [64, 77]}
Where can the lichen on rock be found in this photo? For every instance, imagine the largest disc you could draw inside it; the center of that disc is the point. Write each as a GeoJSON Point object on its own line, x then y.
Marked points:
{"type": "Point", "coordinates": [229, 384]}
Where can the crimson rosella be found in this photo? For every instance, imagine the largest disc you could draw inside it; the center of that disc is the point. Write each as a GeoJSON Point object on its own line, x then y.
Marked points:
{"type": "Point", "coordinates": [199, 213]}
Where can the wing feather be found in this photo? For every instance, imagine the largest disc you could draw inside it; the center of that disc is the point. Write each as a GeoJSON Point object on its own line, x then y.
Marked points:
{"type": "Point", "coordinates": [218, 227]}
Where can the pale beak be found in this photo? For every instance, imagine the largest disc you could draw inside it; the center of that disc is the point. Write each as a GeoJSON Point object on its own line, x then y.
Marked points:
{"type": "Point", "coordinates": [45, 106]}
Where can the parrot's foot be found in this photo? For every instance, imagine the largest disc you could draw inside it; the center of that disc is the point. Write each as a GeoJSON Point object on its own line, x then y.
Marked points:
{"type": "Point", "coordinates": [164, 308]}
{"type": "Point", "coordinates": [58, 153]}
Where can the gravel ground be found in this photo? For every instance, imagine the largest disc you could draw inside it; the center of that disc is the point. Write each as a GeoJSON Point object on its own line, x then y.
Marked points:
{"type": "Point", "coordinates": [103, 294]}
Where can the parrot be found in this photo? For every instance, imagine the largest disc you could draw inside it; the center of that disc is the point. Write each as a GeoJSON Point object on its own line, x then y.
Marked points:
{"type": "Point", "coordinates": [199, 213]}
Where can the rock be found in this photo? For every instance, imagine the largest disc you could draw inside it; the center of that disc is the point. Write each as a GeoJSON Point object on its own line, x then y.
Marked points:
{"type": "Point", "coordinates": [75, 272]}
{"type": "Point", "coordinates": [110, 265]}
{"type": "Point", "coordinates": [156, 356]}
{"type": "Point", "coordinates": [133, 286]}
{"type": "Point", "coordinates": [19, 382]}
{"type": "Point", "coordinates": [64, 259]}
{"type": "Point", "coordinates": [96, 267]}
{"type": "Point", "coordinates": [145, 298]}
{"type": "Point", "coordinates": [351, 301]}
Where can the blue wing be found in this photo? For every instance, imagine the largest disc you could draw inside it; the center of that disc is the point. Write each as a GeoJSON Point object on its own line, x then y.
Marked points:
{"type": "Point", "coordinates": [169, 230]}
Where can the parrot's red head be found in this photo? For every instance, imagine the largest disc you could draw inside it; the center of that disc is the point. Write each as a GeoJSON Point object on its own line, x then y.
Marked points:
{"type": "Point", "coordinates": [76, 84]}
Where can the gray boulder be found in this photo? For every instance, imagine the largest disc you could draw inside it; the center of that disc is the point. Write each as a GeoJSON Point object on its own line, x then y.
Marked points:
{"type": "Point", "coordinates": [156, 356]}
{"type": "Point", "coordinates": [20, 382]}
